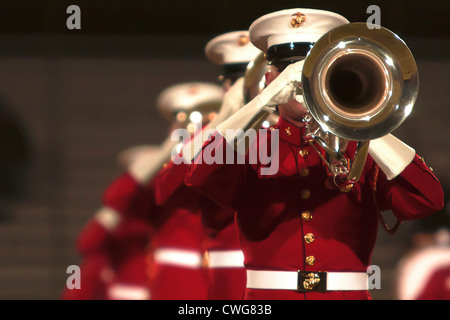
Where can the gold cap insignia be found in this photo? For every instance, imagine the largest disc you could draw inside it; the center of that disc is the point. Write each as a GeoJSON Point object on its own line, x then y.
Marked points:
{"type": "Point", "coordinates": [288, 131]}
{"type": "Point", "coordinates": [298, 19]}
{"type": "Point", "coordinates": [243, 40]}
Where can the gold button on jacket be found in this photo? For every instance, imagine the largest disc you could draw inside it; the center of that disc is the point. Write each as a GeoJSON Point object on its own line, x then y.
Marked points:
{"type": "Point", "coordinates": [306, 215]}
{"type": "Point", "coordinates": [310, 260]}
{"type": "Point", "coordinates": [309, 238]}
{"type": "Point", "coordinates": [305, 194]}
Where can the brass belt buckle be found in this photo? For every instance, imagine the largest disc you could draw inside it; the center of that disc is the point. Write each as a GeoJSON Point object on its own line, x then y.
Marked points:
{"type": "Point", "coordinates": [205, 260]}
{"type": "Point", "coordinates": [312, 281]}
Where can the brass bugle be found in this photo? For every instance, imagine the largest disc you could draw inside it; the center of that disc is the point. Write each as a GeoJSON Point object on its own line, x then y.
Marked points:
{"type": "Point", "coordinates": [358, 84]}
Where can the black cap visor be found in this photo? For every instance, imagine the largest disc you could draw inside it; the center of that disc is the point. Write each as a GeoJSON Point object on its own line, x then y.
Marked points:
{"type": "Point", "coordinates": [288, 52]}
{"type": "Point", "coordinates": [234, 70]}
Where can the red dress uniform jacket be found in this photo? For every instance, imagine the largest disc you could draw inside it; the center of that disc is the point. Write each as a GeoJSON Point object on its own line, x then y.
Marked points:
{"type": "Point", "coordinates": [101, 250]}
{"type": "Point", "coordinates": [129, 198]}
{"type": "Point", "coordinates": [172, 213]}
{"type": "Point", "coordinates": [128, 257]}
{"type": "Point", "coordinates": [91, 245]}
{"type": "Point", "coordinates": [276, 212]}
{"type": "Point", "coordinates": [210, 227]}
{"type": "Point", "coordinates": [178, 227]}
{"type": "Point", "coordinates": [225, 283]}
{"type": "Point", "coordinates": [94, 267]}
{"type": "Point", "coordinates": [118, 257]}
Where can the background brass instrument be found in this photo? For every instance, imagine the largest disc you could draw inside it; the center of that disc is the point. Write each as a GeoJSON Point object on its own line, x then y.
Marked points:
{"type": "Point", "coordinates": [254, 83]}
{"type": "Point", "coordinates": [254, 78]}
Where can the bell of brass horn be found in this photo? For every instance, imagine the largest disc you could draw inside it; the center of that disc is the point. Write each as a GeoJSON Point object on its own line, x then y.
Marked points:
{"type": "Point", "coordinates": [358, 84]}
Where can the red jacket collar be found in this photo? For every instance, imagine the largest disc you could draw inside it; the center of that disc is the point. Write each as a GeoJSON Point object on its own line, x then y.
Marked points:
{"type": "Point", "coordinates": [290, 133]}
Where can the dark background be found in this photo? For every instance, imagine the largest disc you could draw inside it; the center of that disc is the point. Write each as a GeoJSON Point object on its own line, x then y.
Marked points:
{"type": "Point", "coordinates": [80, 97]}
{"type": "Point", "coordinates": [407, 18]}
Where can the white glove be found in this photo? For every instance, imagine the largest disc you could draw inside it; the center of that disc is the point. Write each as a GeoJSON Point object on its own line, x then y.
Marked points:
{"type": "Point", "coordinates": [233, 100]}
{"type": "Point", "coordinates": [391, 154]}
{"type": "Point", "coordinates": [130, 155]}
{"type": "Point", "coordinates": [108, 218]}
{"type": "Point", "coordinates": [280, 91]}
{"type": "Point", "coordinates": [144, 168]}
{"type": "Point", "coordinates": [283, 88]}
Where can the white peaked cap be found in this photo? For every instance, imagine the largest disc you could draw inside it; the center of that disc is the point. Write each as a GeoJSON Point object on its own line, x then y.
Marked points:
{"type": "Point", "coordinates": [232, 47]}
{"type": "Point", "coordinates": [188, 96]}
{"type": "Point", "coordinates": [293, 25]}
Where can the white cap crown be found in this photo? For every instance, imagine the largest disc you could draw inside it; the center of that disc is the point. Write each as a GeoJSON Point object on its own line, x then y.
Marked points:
{"type": "Point", "coordinates": [230, 48]}
{"type": "Point", "coordinates": [188, 97]}
{"type": "Point", "coordinates": [293, 25]}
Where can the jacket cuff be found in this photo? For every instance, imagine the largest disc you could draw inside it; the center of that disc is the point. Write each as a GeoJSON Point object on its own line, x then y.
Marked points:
{"type": "Point", "coordinates": [391, 155]}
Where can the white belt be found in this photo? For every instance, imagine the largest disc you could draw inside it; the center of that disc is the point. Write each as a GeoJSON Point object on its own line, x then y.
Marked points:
{"type": "Point", "coordinates": [179, 257]}
{"type": "Point", "coordinates": [128, 292]}
{"type": "Point", "coordinates": [226, 259]}
{"type": "Point", "coordinates": [307, 281]}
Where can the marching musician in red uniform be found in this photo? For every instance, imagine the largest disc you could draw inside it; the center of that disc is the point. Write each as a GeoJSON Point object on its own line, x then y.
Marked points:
{"type": "Point", "coordinates": [178, 243]}
{"type": "Point", "coordinates": [233, 51]}
{"type": "Point", "coordinates": [113, 248]}
{"type": "Point", "coordinates": [302, 237]}
{"type": "Point", "coordinates": [223, 257]}
{"type": "Point", "coordinates": [116, 243]}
